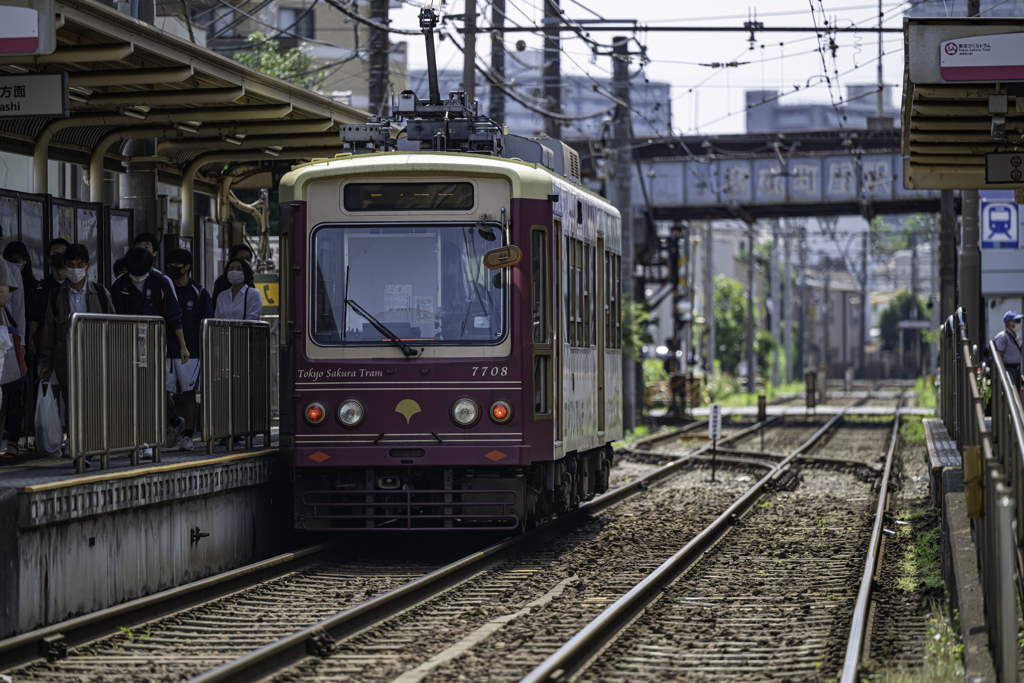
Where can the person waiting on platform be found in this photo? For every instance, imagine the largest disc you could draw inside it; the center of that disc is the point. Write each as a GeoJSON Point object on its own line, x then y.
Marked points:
{"type": "Point", "coordinates": [36, 314]}
{"type": "Point", "coordinates": [1009, 345]}
{"type": "Point", "coordinates": [23, 401]}
{"type": "Point", "coordinates": [77, 295]}
{"type": "Point", "coordinates": [241, 251]}
{"type": "Point", "coordinates": [143, 290]}
{"type": "Point", "coordinates": [196, 305]}
{"type": "Point", "coordinates": [7, 285]}
{"type": "Point", "coordinates": [241, 301]}
{"type": "Point", "coordinates": [119, 268]}
{"type": "Point", "coordinates": [151, 243]}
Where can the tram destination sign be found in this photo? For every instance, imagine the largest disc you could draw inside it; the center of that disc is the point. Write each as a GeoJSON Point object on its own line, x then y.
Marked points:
{"type": "Point", "coordinates": [34, 95]}
{"type": "Point", "coordinates": [1004, 168]}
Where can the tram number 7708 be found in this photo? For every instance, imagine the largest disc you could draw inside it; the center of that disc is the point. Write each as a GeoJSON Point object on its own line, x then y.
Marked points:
{"type": "Point", "coordinates": [492, 371]}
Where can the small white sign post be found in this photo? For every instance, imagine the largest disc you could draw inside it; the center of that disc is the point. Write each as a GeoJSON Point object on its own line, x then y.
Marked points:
{"type": "Point", "coordinates": [714, 433]}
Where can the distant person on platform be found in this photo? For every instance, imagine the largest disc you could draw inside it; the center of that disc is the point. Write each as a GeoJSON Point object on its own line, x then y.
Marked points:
{"type": "Point", "coordinates": [184, 376]}
{"type": "Point", "coordinates": [51, 283]}
{"type": "Point", "coordinates": [240, 301]}
{"type": "Point", "coordinates": [1008, 344]}
{"type": "Point", "coordinates": [237, 251]}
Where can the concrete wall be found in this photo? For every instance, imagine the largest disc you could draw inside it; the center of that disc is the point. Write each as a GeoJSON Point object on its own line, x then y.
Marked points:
{"type": "Point", "coordinates": [77, 550]}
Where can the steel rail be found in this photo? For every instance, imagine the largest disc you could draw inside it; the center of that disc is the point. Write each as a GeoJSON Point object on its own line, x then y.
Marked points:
{"type": "Point", "coordinates": [318, 638]}
{"type": "Point", "coordinates": [589, 642]}
{"type": "Point", "coordinates": [31, 646]}
{"type": "Point", "coordinates": [858, 625]}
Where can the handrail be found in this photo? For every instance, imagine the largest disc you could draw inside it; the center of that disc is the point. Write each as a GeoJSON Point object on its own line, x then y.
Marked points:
{"type": "Point", "coordinates": [994, 457]}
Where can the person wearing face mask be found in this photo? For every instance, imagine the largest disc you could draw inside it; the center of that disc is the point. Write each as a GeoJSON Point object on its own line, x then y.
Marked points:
{"type": "Point", "coordinates": [240, 251]}
{"type": "Point", "coordinates": [196, 306]}
{"type": "Point", "coordinates": [76, 295]}
{"type": "Point", "coordinates": [1009, 346]}
{"type": "Point", "coordinates": [51, 283]}
{"type": "Point", "coordinates": [240, 301]}
{"type": "Point", "coordinates": [145, 291]}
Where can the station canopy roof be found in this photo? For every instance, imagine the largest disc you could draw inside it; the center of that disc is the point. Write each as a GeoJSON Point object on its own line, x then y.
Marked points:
{"type": "Point", "coordinates": [954, 95]}
{"type": "Point", "coordinates": [128, 79]}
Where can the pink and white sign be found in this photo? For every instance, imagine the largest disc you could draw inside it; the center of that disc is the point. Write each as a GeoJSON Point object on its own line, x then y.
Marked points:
{"type": "Point", "coordinates": [19, 29]}
{"type": "Point", "coordinates": [983, 58]}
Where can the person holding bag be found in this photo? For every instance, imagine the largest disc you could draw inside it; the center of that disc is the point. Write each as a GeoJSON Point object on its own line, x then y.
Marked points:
{"type": "Point", "coordinates": [76, 295]}
{"type": "Point", "coordinates": [9, 344]}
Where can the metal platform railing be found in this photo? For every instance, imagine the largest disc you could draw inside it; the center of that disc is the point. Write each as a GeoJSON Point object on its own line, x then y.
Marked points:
{"type": "Point", "coordinates": [116, 398]}
{"type": "Point", "coordinates": [236, 381]}
{"type": "Point", "coordinates": [993, 462]}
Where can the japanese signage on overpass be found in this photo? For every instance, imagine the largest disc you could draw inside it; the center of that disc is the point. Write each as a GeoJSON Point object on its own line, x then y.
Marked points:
{"type": "Point", "coordinates": [803, 180]}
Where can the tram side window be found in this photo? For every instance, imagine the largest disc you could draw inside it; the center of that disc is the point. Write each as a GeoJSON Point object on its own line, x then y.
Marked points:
{"type": "Point", "coordinates": [540, 385]}
{"type": "Point", "coordinates": [539, 264]}
{"type": "Point", "coordinates": [570, 295]}
{"type": "Point", "coordinates": [580, 289]}
{"type": "Point", "coordinates": [613, 300]}
{"type": "Point", "coordinates": [592, 308]}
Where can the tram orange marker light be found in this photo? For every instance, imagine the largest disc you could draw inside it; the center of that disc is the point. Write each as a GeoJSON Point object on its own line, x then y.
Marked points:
{"type": "Point", "coordinates": [315, 413]}
{"type": "Point", "coordinates": [501, 412]}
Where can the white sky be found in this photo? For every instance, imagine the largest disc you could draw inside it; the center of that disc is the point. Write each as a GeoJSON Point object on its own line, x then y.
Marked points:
{"type": "Point", "coordinates": [711, 97]}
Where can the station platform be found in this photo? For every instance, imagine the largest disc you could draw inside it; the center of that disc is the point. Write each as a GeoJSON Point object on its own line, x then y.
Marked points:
{"type": "Point", "coordinates": [83, 542]}
{"type": "Point", "coordinates": [32, 470]}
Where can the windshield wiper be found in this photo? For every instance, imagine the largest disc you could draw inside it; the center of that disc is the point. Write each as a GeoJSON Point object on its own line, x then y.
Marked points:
{"type": "Point", "coordinates": [379, 326]}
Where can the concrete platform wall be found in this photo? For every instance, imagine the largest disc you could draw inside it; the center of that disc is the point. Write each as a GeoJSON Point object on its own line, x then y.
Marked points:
{"type": "Point", "coordinates": [78, 549]}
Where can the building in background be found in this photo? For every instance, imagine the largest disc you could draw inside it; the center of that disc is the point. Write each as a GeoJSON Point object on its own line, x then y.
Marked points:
{"type": "Point", "coordinates": [768, 113]}
{"type": "Point", "coordinates": [581, 97]}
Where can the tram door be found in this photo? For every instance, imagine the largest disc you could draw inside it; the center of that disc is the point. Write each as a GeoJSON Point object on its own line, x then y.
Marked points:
{"type": "Point", "coordinates": [598, 307]}
{"type": "Point", "coordinates": [558, 310]}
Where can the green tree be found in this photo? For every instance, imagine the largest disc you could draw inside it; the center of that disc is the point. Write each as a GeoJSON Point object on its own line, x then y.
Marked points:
{"type": "Point", "coordinates": [730, 322]}
{"type": "Point", "coordinates": [899, 308]}
{"type": "Point", "coordinates": [635, 334]}
{"type": "Point", "coordinates": [292, 65]}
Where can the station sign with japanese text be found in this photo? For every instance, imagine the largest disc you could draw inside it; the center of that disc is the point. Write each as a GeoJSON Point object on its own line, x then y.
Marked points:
{"type": "Point", "coordinates": [34, 95]}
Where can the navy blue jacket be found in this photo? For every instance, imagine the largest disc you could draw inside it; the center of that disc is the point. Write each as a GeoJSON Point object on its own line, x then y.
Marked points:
{"type": "Point", "coordinates": [196, 305]}
{"type": "Point", "coordinates": [156, 298]}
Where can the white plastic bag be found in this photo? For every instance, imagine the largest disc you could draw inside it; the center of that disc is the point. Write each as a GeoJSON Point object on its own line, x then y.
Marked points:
{"type": "Point", "coordinates": [49, 434]}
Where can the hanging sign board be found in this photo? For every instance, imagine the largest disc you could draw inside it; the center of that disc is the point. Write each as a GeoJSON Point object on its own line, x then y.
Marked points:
{"type": "Point", "coordinates": [983, 58]}
{"type": "Point", "coordinates": [32, 95]}
{"type": "Point", "coordinates": [1004, 167]}
{"type": "Point", "coordinates": [715, 422]}
{"type": "Point", "coordinates": [27, 27]}
{"type": "Point", "coordinates": [269, 286]}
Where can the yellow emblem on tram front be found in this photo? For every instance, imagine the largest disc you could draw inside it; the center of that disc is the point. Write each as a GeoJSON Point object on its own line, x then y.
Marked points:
{"type": "Point", "coordinates": [407, 408]}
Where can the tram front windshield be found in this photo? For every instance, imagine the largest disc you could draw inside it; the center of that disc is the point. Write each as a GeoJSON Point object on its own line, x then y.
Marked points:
{"type": "Point", "coordinates": [424, 283]}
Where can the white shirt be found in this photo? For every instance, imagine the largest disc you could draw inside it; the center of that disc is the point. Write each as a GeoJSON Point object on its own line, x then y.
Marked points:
{"type": "Point", "coordinates": [246, 305]}
{"type": "Point", "coordinates": [77, 299]}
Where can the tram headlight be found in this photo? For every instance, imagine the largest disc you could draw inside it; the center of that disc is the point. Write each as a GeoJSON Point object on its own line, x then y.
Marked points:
{"type": "Point", "coordinates": [315, 413]}
{"type": "Point", "coordinates": [350, 413]}
{"type": "Point", "coordinates": [465, 412]}
{"type": "Point", "coordinates": [501, 412]}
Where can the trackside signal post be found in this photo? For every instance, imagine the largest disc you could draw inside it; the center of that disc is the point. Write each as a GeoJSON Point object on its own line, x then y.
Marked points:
{"type": "Point", "coordinates": [714, 433]}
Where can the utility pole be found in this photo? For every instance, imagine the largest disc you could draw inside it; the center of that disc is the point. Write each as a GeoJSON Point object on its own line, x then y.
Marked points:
{"type": "Point", "coordinates": [933, 348]}
{"type": "Point", "coordinates": [881, 82]}
{"type": "Point", "coordinates": [827, 315]}
{"type": "Point", "coordinates": [709, 300]}
{"type": "Point", "coordinates": [801, 343]}
{"type": "Point", "coordinates": [496, 106]}
{"type": "Point", "coordinates": [776, 306]}
{"type": "Point", "coordinates": [469, 54]}
{"type": "Point", "coordinates": [379, 59]}
{"type": "Point", "coordinates": [970, 255]}
{"type": "Point", "coordinates": [864, 308]}
{"type": "Point", "coordinates": [787, 308]}
{"type": "Point", "coordinates": [622, 199]}
{"type": "Point", "coordinates": [552, 72]}
{"type": "Point", "coordinates": [914, 312]}
{"type": "Point", "coordinates": [751, 364]}
{"type": "Point", "coordinates": [947, 254]}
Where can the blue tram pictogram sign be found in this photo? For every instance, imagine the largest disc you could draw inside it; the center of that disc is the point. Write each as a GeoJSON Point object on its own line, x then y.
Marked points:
{"type": "Point", "coordinates": [1000, 225]}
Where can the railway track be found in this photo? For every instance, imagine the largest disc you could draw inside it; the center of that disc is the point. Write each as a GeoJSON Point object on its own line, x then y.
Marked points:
{"type": "Point", "coordinates": [767, 588]}
{"type": "Point", "coordinates": [418, 622]}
